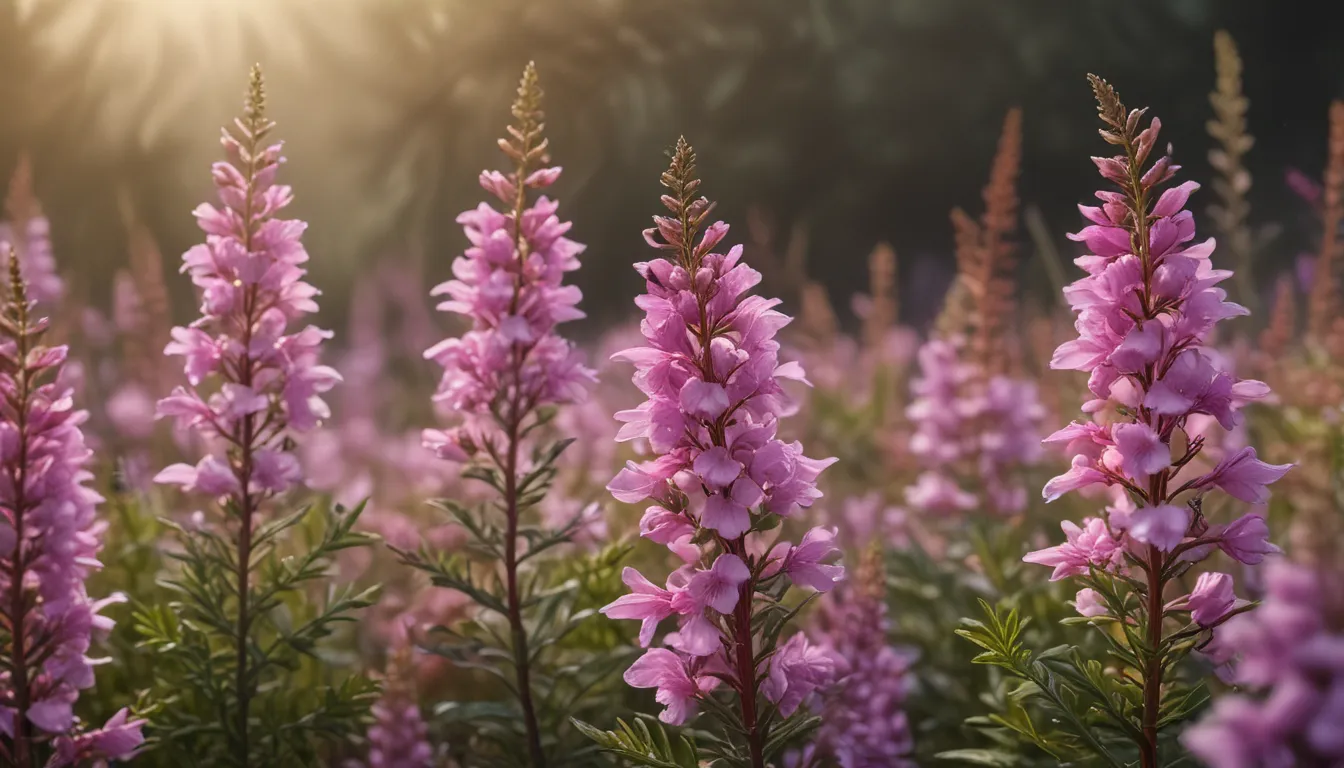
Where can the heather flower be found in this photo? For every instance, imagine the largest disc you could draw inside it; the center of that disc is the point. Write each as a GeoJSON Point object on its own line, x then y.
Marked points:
{"type": "Point", "coordinates": [711, 372]}
{"type": "Point", "coordinates": [50, 536]}
{"type": "Point", "coordinates": [1145, 310]}
{"type": "Point", "coordinates": [1290, 671]}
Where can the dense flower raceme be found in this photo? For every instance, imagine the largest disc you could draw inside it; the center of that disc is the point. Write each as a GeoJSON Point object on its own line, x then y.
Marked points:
{"type": "Point", "coordinates": [49, 541]}
{"type": "Point", "coordinates": [1144, 309]}
{"type": "Point", "coordinates": [28, 231]}
{"type": "Point", "coordinates": [863, 722]}
{"type": "Point", "coordinates": [509, 285]}
{"type": "Point", "coordinates": [970, 427]}
{"type": "Point", "coordinates": [711, 371]}
{"type": "Point", "coordinates": [398, 737]}
{"type": "Point", "coordinates": [251, 284]}
{"type": "Point", "coordinates": [1292, 650]}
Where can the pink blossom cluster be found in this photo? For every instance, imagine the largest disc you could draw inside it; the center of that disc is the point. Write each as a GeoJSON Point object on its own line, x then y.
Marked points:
{"type": "Point", "coordinates": [250, 279]}
{"type": "Point", "coordinates": [1291, 649]}
{"type": "Point", "coordinates": [50, 536]}
{"type": "Point", "coordinates": [509, 284]}
{"type": "Point", "coordinates": [864, 724]}
{"type": "Point", "coordinates": [711, 371]}
{"type": "Point", "coordinates": [971, 430]}
{"type": "Point", "coordinates": [1149, 300]}
{"type": "Point", "coordinates": [399, 736]}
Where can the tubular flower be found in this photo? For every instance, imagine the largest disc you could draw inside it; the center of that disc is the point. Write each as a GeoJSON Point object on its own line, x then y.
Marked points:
{"type": "Point", "coordinates": [1145, 309]}
{"type": "Point", "coordinates": [49, 541]}
{"type": "Point", "coordinates": [710, 370]}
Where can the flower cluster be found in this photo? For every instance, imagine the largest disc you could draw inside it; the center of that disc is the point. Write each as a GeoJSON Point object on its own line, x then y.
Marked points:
{"type": "Point", "coordinates": [864, 724]}
{"type": "Point", "coordinates": [712, 374]}
{"type": "Point", "coordinates": [974, 425]}
{"type": "Point", "coordinates": [49, 542]}
{"type": "Point", "coordinates": [960, 418]}
{"type": "Point", "coordinates": [398, 737]}
{"type": "Point", "coordinates": [509, 284]}
{"type": "Point", "coordinates": [1144, 309]}
{"type": "Point", "coordinates": [1292, 649]}
{"type": "Point", "coordinates": [250, 279]}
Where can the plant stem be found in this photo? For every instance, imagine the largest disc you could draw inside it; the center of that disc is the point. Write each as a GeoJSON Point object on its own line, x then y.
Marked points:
{"type": "Point", "coordinates": [520, 651]}
{"type": "Point", "coordinates": [746, 669]}
{"type": "Point", "coordinates": [1152, 675]}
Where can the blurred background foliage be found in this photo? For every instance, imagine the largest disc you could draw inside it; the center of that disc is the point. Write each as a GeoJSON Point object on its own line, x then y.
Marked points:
{"type": "Point", "coordinates": [857, 120]}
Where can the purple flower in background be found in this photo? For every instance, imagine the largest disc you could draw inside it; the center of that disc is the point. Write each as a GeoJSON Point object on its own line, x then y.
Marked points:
{"type": "Point", "coordinates": [28, 233]}
{"type": "Point", "coordinates": [1290, 668]}
{"type": "Point", "coordinates": [49, 541]}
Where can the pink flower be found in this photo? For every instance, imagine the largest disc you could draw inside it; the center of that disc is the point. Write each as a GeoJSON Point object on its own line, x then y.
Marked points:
{"type": "Point", "coordinates": [677, 691]}
{"type": "Point", "coordinates": [1080, 475]}
{"type": "Point", "coordinates": [663, 526]}
{"type": "Point", "coordinates": [117, 740]}
{"type": "Point", "coordinates": [1162, 526]}
{"type": "Point", "coordinates": [647, 602]}
{"type": "Point", "coordinates": [796, 671]}
{"type": "Point", "coordinates": [1089, 603]}
{"type": "Point", "coordinates": [1142, 450]}
{"type": "Point", "coordinates": [718, 587]}
{"type": "Point", "coordinates": [1211, 599]}
{"type": "Point", "coordinates": [210, 476]}
{"type": "Point", "coordinates": [1244, 476]}
{"type": "Point", "coordinates": [1089, 546]}
{"type": "Point", "coordinates": [803, 562]}
{"type": "Point", "coordinates": [1246, 539]}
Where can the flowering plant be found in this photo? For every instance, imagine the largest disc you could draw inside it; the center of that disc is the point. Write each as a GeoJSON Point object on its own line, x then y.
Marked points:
{"type": "Point", "coordinates": [1144, 309]}
{"type": "Point", "coordinates": [247, 614]}
{"type": "Point", "coordinates": [721, 477]}
{"type": "Point", "coordinates": [505, 378]}
{"type": "Point", "coordinates": [49, 540]}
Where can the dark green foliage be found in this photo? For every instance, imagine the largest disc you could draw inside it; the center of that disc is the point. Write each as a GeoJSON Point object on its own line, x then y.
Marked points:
{"type": "Point", "coordinates": [571, 659]}
{"type": "Point", "coordinates": [300, 700]}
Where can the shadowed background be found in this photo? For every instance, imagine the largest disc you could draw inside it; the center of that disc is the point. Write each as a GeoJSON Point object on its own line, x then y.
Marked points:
{"type": "Point", "coordinates": [856, 121]}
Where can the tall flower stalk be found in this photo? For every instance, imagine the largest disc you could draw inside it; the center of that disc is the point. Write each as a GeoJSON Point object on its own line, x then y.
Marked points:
{"type": "Point", "coordinates": [49, 542]}
{"type": "Point", "coordinates": [712, 375]}
{"type": "Point", "coordinates": [975, 425]}
{"type": "Point", "coordinates": [1144, 309]}
{"type": "Point", "coordinates": [267, 384]}
{"type": "Point", "coordinates": [504, 378]}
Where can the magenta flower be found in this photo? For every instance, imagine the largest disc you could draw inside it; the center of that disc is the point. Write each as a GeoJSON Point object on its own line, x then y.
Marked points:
{"type": "Point", "coordinates": [50, 536]}
{"type": "Point", "coordinates": [711, 373]}
{"type": "Point", "coordinates": [1089, 603]}
{"type": "Point", "coordinates": [1093, 545]}
{"type": "Point", "coordinates": [647, 603]}
{"type": "Point", "coordinates": [796, 671]}
{"type": "Point", "coordinates": [1145, 310]}
{"type": "Point", "coordinates": [1211, 599]}
{"type": "Point", "coordinates": [1246, 539]}
{"type": "Point", "coordinates": [678, 691]}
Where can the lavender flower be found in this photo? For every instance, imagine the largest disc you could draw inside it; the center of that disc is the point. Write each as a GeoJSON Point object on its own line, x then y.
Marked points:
{"type": "Point", "coordinates": [1145, 308]}
{"type": "Point", "coordinates": [49, 542]}
{"type": "Point", "coordinates": [1290, 669]}
{"type": "Point", "coordinates": [863, 722]}
{"type": "Point", "coordinates": [711, 371]}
